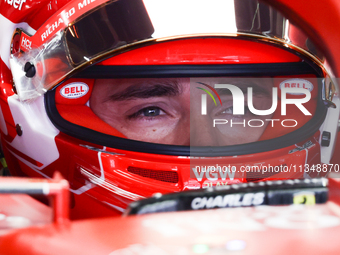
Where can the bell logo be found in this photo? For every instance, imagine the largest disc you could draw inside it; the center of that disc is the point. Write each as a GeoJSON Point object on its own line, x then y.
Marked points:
{"type": "Point", "coordinates": [296, 83]}
{"type": "Point", "coordinates": [74, 90]}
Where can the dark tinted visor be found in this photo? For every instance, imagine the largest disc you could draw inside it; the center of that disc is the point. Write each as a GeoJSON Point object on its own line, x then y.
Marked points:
{"type": "Point", "coordinates": [113, 25]}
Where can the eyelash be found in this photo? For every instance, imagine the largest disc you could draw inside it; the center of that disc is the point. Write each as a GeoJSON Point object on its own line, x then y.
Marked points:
{"type": "Point", "coordinates": [139, 113]}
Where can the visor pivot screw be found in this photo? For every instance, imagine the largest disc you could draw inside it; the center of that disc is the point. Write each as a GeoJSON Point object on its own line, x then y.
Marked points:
{"type": "Point", "coordinates": [29, 69]}
{"type": "Point", "coordinates": [326, 138]}
{"type": "Point", "coordinates": [18, 129]}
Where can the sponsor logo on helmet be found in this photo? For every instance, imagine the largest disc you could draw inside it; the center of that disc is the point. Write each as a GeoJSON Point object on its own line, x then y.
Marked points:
{"type": "Point", "coordinates": [74, 90]}
{"type": "Point", "coordinates": [213, 173]}
{"type": "Point", "coordinates": [305, 146]}
{"type": "Point", "coordinates": [17, 4]}
{"type": "Point", "coordinates": [27, 44]}
{"type": "Point", "coordinates": [296, 83]}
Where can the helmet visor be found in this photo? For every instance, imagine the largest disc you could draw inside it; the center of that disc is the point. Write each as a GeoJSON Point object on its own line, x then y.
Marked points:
{"type": "Point", "coordinates": [175, 113]}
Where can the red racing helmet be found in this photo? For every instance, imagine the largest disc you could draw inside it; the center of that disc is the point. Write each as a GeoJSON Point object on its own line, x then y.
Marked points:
{"type": "Point", "coordinates": [129, 98]}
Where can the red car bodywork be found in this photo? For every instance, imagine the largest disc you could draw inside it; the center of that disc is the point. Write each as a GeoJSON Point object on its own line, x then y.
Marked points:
{"type": "Point", "coordinates": [299, 229]}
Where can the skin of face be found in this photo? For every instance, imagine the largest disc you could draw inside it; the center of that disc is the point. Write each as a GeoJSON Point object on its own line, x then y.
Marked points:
{"type": "Point", "coordinates": [168, 110]}
{"type": "Point", "coordinates": [156, 110]}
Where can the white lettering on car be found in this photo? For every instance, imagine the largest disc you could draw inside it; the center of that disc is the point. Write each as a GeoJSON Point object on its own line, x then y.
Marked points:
{"type": "Point", "coordinates": [231, 200]}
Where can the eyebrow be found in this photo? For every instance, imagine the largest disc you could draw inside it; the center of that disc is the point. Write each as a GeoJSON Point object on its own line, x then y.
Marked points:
{"type": "Point", "coordinates": [148, 89]}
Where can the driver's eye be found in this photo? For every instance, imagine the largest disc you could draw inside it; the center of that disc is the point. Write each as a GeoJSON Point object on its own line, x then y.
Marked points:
{"type": "Point", "coordinates": [150, 111]}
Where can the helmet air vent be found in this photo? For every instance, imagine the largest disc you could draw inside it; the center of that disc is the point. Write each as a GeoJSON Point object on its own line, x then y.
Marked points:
{"type": "Point", "coordinates": [159, 175]}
